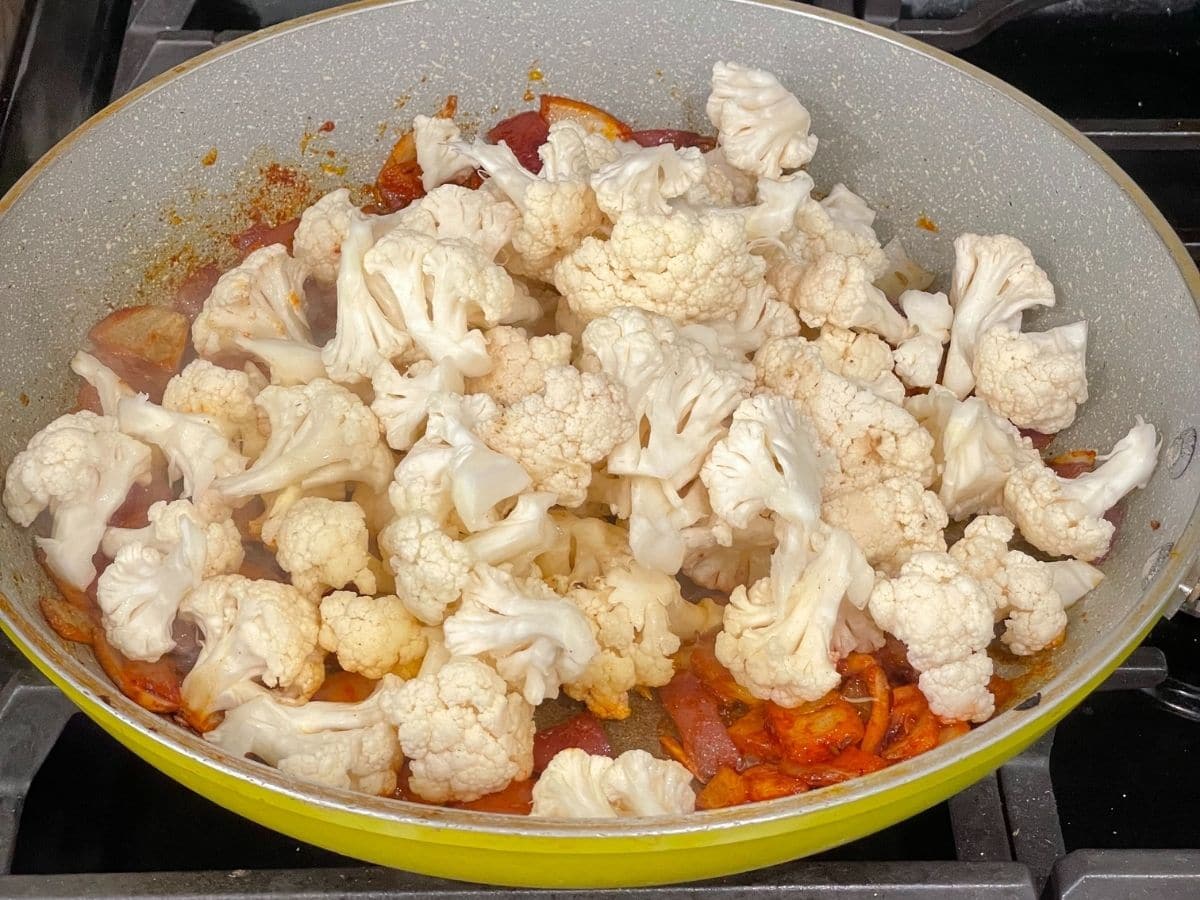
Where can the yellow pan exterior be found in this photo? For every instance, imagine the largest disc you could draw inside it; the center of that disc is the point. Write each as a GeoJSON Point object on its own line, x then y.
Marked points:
{"type": "Point", "coordinates": [516, 859]}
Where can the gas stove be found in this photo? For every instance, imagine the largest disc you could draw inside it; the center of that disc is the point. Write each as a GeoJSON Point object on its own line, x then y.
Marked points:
{"type": "Point", "coordinates": [1105, 807]}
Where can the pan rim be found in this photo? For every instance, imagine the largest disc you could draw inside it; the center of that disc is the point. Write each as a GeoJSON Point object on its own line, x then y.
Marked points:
{"type": "Point", "coordinates": [1059, 695]}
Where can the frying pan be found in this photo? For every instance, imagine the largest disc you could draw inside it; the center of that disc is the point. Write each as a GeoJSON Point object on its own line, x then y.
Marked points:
{"type": "Point", "coordinates": [148, 185]}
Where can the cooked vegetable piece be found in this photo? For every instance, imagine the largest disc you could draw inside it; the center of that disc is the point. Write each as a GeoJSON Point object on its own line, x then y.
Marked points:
{"type": "Point", "coordinates": [583, 731]}
{"type": "Point", "coordinates": [523, 133]}
{"type": "Point", "coordinates": [697, 716]}
{"type": "Point", "coordinates": [560, 109]}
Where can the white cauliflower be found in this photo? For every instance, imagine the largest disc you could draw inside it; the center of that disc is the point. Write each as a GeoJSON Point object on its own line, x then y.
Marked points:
{"type": "Point", "coordinates": [431, 566]}
{"type": "Point", "coordinates": [224, 397]}
{"type": "Point", "coordinates": [80, 468]}
{"type": "Point", "coordinates": [443, 291]}
{"type": "Point", "coordinates": [439, 161]}
{"type": "Point", "coordinates": [1035, 380]}
{"type": "Point", "coordinates": [872, 438]}
{"type": "Point", "coordinates": [289, 362]}
{"type": "Point", "coordinates": [975, 450]}
{"type": "Point", "coordinates": [351, 746]}
{"type": "Point", "coordinates": [195, 448]}
{"type": "Point", "coordinates": [778, 201]}
{"type": "Point", "coordinates": [536, 639]}
{"type": "Point", "coordinates": [261, 298]}
{"type": "Point", "coordinates": [944, 618]}
{"type": "Point", "coordinates": [323, 227]}
{"type": "Point", "coordinates": [891, 520]}
{"type": "Point", "coordinates": [371, 635]}
{"type": "Point", "coordinates": [402, 401]}
{"type": "Point", "coordinates": [253, 631]}
{"type": "Point", "coordinates": [761, 127]}
{"type": "Point", "coordinates": [644, 180]}
{"type": "Point", "coordinates": [918, 359]}
{"type": "Point", "coordinates": [629, 609]}
{"type": "Point", "coordinates": [576, 785]}
{"type": "Point", "coordinates": [761, 317]}
{"type": "Point", "coordinates": [720, 558]}
{"type": "Point", "coordinates": [994, 281]}
{"type": "Point", "coordinates": [778, 638]}
{"type": "Point", "coordinates": [583, 549]}
{"type": "Point", "coordinates": [901, 274]}
{"type": "Point", "coordinates": [140, 592]}
{"type": "Point", "coordinates": [560, 432]}
{"type": "Point", "coordinates": [862, 359]}
{"type": "Point", "coordinates": [837, 289]}
{"type": "Point", "coordinates": [320, 434]}
{"type": "Point", "coordinates": [482, 218]}
{"type": "Point", "coordinates": [369, 330]}
{"type": "Point", "coordinates": [108, 384]}
{"type": "Point", "coordinates": [322, 544]}
{"type": "Point", "coordinates": [222, 541]}
{"type": "Point", "coordinates": [688, 266]}
{"type": "Point", "coordinates": [1065, 516]}
{"type": "Point", "coordinates": [463, 732]}
{"type": "Point", "coordinates": [556, 213]}
{"type": "Point", "coordinates": [519, 363]}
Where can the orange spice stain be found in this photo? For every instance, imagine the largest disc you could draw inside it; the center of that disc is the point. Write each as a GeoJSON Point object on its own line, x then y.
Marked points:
{"type": "Point", "coordinates": [528, 96]}
{"type": "Point", "coordinates": [24, 399]}
{"type": "Point", "coordinates": [331, 169]}
{"type": "Point", "coordinates": [326, 126]}
{"type": "Point", "coordinates": [923, 221]}
{"type": "Point", "coordinates": [535, 74]}
{"type": "Point", "coordinates": [210, 157]}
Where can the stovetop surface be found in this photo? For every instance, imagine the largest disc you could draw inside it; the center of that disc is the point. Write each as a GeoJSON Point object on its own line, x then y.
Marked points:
{"type": "Point", "coordinates": [1124, 770]}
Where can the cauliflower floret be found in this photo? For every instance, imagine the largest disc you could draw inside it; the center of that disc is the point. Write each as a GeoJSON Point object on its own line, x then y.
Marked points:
{"type": "Point", "coordinates": [778, 202]}
{"type": "Point", "coordinates": [582, 551]}
{"type": "Point", "coordinates": [519, 363]}
{"type": "Point", "coordinates": [536, 639]}
{"type": "Point", "coordinates": [341, 745]}
{"type": "Point", "coordinates": [482, 218]}
{"type": "Point", "coordinates": [945, 619]}
{"type": "Point", "coordinates": [720, 558]}
{"type": "Point", "coordinates": [688, 266]}
{"type": "Point", "coordinates": [253, 631]}
{"type": "Point", "coordinates": [848, 211]}
{"type": "Point", "coordinates": [261, 298]}
{"type": "Point", "coordinates": [555, 214]}
{"type": "Point", "coordinates": [371, 635]}
{"type": "Point", "coordinates": [320, 434]}
{"type": "Point", "coordinates": [571, 151]}
{"type": "Point", "coordinates": [108, 384]}
{"type": "Point", "coordinates": [439, 161]}
{"type": "Point", "coordinates": [901, 274]}
{"type": "Point", "coordinates": [557, 434]}
{"type": "Point", "coordinates": [768, 461]}
{"type": "Point", "coordinates": [974, 449]}
{"type": "Point", "coordinates": [430, 567]}
{"type": "Point", "coordinates": [577, 785]}
{"type": "Point", "coordinates": [322, 544]}
{"type": "Point", "coordinates": [778, 637]}
{"type": "Point", "coordinates": [862, 359]}
{"type": "Point", "coordinates": [722, 185]}
{"type": "Point", "coordinates": [761, 317]}
{"type": "Point", "coordinates": [872, 438]}
{"type": "Point", "coordinates": [919, 359]}
{"type": "Point", "coordinates": [224, 397]}
{"type": "Point", "coordinates": [80, 468]}
{"type": "Point", "coordinates": [629, 610]}
{"type": "Point", "coordinates": [1073, 579]}
{"type": "Point", "coordinates": [402, 401]}
{"type": "Point", "coordinates": [317, 243]}
{"type": "Point", "coordinates": [995, 279]}
{"type": "Point", "coordinates": [290, 362]}
{"type": "Point", "coordinates": [463, 732]}
{"type": "Point", "coordinates": [222, 541]}
{"type": "Point", "coordinates": [139, 594]}
{"type": "Point", "coordinates": [644, 180]}
{"type": "Point", "coordinates": [680, 392]}
{"type": "Point", "coordinates": [1035, 380]}
{"type": "Point", "coordinates": [441, 288]}
{"type": "Point", "coordinates": [891, 520]}
{"type": "Point", "coordinates": [761, 127]}
{"type": "Point", "coordinates": [1064, 516]}
{"type": "Point", "coordinates": [369, 330]}
{"type": "Point", "coordinates": [195, 448]}
{"type": "Point", "coordinates": [837, 289]}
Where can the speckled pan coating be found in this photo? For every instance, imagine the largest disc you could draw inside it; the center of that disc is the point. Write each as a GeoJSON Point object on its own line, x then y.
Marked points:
{"type": "Point", "coordinates": [914, 133]}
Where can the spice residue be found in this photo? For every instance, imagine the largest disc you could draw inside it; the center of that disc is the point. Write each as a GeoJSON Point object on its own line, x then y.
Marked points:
{"type": "Point", "coordinates": [24, 399]}
{"type": "Point", "coordinates": [535, 74]}
{"type": "Point", "coordinates": [926, 223]}
{"type": "Point", "coordinates": [326, 126]}
{"type": "Point", "coordinates": [210, 157]}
